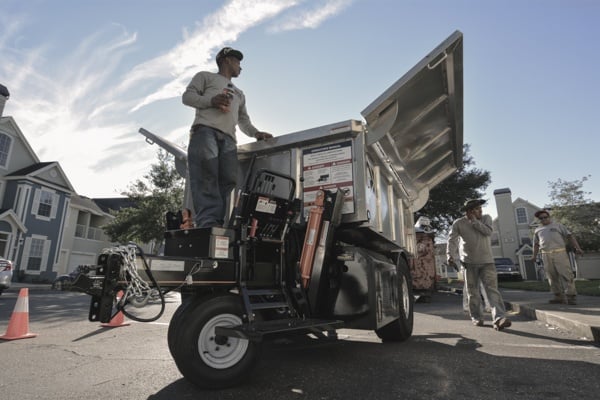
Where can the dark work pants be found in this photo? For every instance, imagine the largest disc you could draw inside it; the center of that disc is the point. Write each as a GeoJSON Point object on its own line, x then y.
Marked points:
{"type": "Point", "coordinates": [213, 168]}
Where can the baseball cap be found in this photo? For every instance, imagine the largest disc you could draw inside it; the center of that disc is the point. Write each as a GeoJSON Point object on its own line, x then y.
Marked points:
{"type": "Point", "coordinates": [469, 204]}
{"type": "Point", "coordinates": [540, 212]}
{"type": "Point", "coordinates": [229, 52]}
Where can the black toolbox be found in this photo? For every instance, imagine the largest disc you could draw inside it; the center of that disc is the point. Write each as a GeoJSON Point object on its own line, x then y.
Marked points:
{"type": "Point", "coordinates": [212, 242]}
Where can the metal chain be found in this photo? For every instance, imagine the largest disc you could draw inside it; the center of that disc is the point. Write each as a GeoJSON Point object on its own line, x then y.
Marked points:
{"type": "Point", "coordinates": [138, 291]}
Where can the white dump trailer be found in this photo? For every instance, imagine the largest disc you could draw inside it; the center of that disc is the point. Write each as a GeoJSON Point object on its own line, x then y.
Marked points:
{"type": "Point", "coordinates": [320, 237]}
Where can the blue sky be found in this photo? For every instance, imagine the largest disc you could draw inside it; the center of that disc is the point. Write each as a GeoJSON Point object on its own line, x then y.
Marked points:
{"type": "Point", "coordinates": [85, 75]}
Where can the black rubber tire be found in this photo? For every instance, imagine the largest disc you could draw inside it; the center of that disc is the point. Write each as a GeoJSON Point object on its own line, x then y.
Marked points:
{"type": "Point", "coordinates": [177, 318]}
{"type": "Point", "coordinates": [401, 329]}
{"type": "Point", "coordinates": [187, 303]}
{"type": "Point", "coordinates": [203, 359]}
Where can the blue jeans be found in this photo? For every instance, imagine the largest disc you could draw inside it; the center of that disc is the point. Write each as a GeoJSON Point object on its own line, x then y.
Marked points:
{"type": "Point", "coordinates": [488, 276]}
{"type": "Point", "coordinates": [213, 169]}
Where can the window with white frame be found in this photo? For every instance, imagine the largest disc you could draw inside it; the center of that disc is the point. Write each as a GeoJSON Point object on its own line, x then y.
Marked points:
{"type": "Point", "coordinates": [521, 215]}
{"type": "Point", "coordinates": [3, 244]}
{"type": "Point", "coordinates": [36, 254]}
{"type": "Point", "coordinates": [45, 207]}
{"type": "Point", "coordinates": [21, 199]}
{"type": "Point", "coordinates": [5, 144]}
{"type": "Point", "coordinates": [45, 204]}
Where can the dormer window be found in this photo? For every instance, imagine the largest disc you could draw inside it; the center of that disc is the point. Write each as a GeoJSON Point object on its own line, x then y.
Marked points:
{"type": "Point", "coordinates": [5, 144]}
{"type": "Point", "coordinates": [521, 214]}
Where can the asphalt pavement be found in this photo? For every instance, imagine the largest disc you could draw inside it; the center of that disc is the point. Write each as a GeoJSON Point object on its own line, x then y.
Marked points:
{"type": "Point", "coordinates": [582, 319]}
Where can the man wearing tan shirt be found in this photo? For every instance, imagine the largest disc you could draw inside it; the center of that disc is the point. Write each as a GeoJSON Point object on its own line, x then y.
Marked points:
{"type": "Point", "coordinates": [550, 238]}
{"type": "Point", "coordinates": [475, 229]}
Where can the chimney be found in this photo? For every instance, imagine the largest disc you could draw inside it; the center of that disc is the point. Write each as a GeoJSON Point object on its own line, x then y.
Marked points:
{"type": "Point", "coordinates": [4, 95]}
{"type": "Point", "coordinates": [507, 225]}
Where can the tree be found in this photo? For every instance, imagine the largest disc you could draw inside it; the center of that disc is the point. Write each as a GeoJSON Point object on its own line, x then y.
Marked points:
{"type": "Point", "coordinates": [571, 207]}
{"type": "Point", "coordinates": [568, 193]}
{"type": "Point", "coordinates": [160, 191]}
{"type": "Point", "coordinates": [448, 197]}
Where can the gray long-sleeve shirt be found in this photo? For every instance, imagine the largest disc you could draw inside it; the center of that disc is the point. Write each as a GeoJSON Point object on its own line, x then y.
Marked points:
{"type": "Point", "coordinates": [203, 87]}
{"type": "Point", "coordinates": [476, 237]}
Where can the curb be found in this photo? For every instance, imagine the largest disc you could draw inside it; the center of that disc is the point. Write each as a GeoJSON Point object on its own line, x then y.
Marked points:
{"type": "Point", "coordinates": [36, 287]}
{"type": "Point", "coordinates": [576, 324]}
{"type": "Point", "coordinates": [554, 319]}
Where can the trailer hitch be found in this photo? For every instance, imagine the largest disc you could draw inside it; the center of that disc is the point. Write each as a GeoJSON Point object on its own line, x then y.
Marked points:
{"type": "Point", "coordinates": [117, 271]}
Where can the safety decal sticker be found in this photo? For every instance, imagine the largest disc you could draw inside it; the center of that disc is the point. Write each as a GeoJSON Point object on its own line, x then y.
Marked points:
{"type": "Point", "coordinates": [266, 205]}
{"type": "Point", "coordinates": [221, 247]}
{"type": "Point", "coordinates": [166, 265]}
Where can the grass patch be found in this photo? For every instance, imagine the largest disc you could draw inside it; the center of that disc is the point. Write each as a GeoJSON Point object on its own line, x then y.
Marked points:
{"type": "Point", "coordinates": [586, 288]}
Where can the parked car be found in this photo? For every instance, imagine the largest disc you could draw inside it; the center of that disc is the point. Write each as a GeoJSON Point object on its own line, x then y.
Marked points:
{"type": "Point", "coordinates": [6, 273]}
{"type": "Point", "coordinates": [64, 282]}
{"type": "Point", "coordinates": [506, 269]}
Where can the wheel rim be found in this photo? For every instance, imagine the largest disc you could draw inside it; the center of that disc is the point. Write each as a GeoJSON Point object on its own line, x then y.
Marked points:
{"type": "Point", "coordinates": [225, 352]}
{"type": "Point", "coordinates": [405, 297]}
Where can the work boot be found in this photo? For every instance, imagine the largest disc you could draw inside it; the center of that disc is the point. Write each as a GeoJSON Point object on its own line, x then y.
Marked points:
{"type": "Point", "coordinates": [558, 299]}
{"type": "Point", "coordinates": [572, 300]}
{"type": "Point", "coordinates": [477, 322]}
{"type": "Point", "coordinates": [502, 323]}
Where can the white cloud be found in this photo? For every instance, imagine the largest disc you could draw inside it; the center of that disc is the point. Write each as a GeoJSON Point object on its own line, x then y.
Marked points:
{"type": "Point", "coordinates": [195, 52]}
{"type": "Point", "coordinates": [55, 102]}
{"type": "Point", "coordinates": [311, 18]}
{"type": "Point", "coordinates": [81, 109]}
{"type": "Point", "coordinates": [11, 25]}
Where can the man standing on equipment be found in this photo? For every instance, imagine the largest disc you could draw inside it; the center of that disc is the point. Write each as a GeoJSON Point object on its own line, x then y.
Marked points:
{"type": "Point", "coordinates": [212, 150]}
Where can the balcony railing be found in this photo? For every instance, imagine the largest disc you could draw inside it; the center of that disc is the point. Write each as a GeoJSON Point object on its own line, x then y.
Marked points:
{"type": "Point", "coordinates": [81, 231]}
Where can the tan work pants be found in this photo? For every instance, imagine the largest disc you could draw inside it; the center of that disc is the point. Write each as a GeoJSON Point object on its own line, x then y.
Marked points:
{"type": "Point", "coordinates": [558, 271]}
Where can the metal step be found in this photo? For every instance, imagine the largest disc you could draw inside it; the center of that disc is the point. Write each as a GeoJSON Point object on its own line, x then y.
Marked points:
{"type": "Point", "coordinates": [258, 299]}
{"type": "Point", "coordinates": [258, 329]}
{"type": "Point", "coordinates": [263, 292]}
{"type": "Point", "coordinates": [268, 304]}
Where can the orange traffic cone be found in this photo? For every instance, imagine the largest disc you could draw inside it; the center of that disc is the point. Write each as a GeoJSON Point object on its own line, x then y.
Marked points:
{"type": "Point", "coordinates": [119, 319]}
{"type": "Point", "coordinates": [18, 326]}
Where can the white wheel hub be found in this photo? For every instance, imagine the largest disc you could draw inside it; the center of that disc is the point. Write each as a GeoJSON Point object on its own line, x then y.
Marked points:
{"type": "Point", "coordinates": [221, 352]}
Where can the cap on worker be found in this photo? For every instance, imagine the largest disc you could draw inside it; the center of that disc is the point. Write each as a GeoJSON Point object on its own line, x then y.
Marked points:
{"type": "Point", "coordinates": [469, 204]}
{"type": "Point", "coordinates": [229, 52]}
{"type": "Point", "coordinates": [538, 213]}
